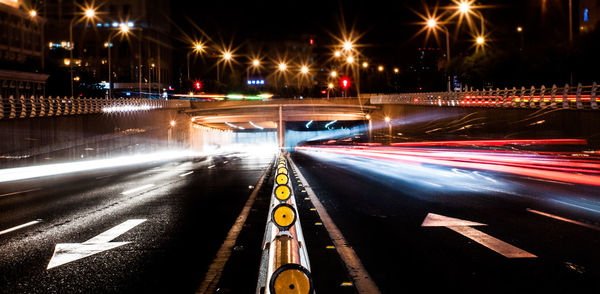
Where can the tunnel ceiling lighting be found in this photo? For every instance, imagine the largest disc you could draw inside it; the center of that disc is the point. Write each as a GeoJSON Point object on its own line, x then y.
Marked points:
{"type": "Point", "coordinates": [234, 126]}
{"type": "Point", "coordinates": [330, 123]}
{"type": "Point", "coordinates": [308, 124]}
{"type": "Point", "coordinates": [256, 126]}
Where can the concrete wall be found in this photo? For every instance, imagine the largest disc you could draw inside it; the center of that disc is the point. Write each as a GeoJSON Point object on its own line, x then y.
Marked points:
{"type": "Point", "coordinates": [65, 138]}
{"type": "Point", "coordinates": [455, 123]}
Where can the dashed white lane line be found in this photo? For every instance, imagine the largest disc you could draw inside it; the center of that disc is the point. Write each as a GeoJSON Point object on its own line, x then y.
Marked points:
{"type": "Point", "coordinates": [19, 192]}
{"type": "Point", "coordinates": [144, 187]}
{"type": "Point", "coordinates": [213, 275]}
{"type": "Point", "coordinates": [564, 219]}
{"type": "Point", "coordinates": [186, 174]}
{"type": "Point", "coordinates": [358, 273]}
{"type": "Point", "coordinates": [211, 166]}
{"type": "Point", "coordinates": [31, 223]}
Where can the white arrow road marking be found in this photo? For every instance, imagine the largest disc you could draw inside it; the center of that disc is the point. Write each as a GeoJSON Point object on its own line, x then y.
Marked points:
{"type": "Point", "coordinates": [464, 228]}
{"type": "Point", "coordinates": [67, 252]}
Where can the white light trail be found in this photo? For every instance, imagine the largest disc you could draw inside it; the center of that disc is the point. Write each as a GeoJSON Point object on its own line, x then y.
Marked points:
{"type": "Point", "coordinates": [308, 124]}
{"type": "Point", "coordinates": [330, 123]}
{"type": "Point", "coordinates": [127, 108]}
{"type": "Point", "coordinates": [31, 172]}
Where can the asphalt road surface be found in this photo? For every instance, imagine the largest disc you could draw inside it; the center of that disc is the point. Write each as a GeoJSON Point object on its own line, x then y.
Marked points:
{"type": "Point", "coordinates": [496, 233]}
{"type": "Point", "coordinates": [154, 228]}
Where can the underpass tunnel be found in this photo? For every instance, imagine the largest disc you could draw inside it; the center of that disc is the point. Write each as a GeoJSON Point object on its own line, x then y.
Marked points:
{"type": "Point", "coordinates": [325, 132]}
{"type": "Point", "coordinates": [235, 136]}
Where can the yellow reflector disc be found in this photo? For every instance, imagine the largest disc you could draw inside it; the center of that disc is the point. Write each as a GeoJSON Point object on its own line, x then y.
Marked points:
{"type": "Point", "coordinates": [282, 192]}
{"type": "Point", "coordinates": [282, 170]}
{"type": "Point", "coordinates": [284, 216]}
{"type": "Point", "coordinates": [281, 179]}
{"type": "Point", "coordinates": [291, 281]}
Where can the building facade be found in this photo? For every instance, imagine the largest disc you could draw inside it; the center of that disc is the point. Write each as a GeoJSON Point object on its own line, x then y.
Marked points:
{"type": "Point", "coordinates": [21, 50]}
{"type": "Point", "coordinates": [140, 60]}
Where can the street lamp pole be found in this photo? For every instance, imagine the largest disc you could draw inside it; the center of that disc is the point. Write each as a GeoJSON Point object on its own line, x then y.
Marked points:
{"type": "Point", "coordinates": [71, 52]}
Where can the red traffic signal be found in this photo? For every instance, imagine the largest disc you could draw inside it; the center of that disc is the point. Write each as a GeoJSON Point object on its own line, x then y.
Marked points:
{"type": "Point", "coordinates": [198, 85]}
{"type": "Point", "coordinates": [345, 83]}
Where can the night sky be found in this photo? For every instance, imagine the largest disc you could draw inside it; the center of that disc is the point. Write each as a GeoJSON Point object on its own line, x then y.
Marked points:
{"type": "Point", "coordinates": [389, 26]}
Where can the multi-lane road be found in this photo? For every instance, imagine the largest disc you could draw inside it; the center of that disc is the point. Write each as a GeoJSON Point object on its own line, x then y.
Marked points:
{"type": "Point", "coordinates": [153, 228]}
{"type": "Point", "coordinates": [422, 228]}
{"type": "Point", "coordinates": [413, 226]}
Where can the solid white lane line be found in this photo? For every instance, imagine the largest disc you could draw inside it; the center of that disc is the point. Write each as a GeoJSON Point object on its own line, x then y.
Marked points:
{"type": "Point", "coordinates": [188, 173]}
{"type": "Point", "coordinates": [144, 187]}
{"type": "Point", "coordinates": [211, 166]}
{"type": "Point", "coordinates": [19, 192]}
{"type": "Point", "coordinates": [358, 273]}
{"type": "Point", "coordinates": [211, 279]}
{"type": "Point", "coordinates": [564, 219]}
{"type": "Point", "coordinates": [31, 223]}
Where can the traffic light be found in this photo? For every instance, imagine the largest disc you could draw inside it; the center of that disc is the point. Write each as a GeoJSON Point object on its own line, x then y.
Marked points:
{"type": "Point", "coordinates": [345, 83]}
{"type": "Point", "coordinates": [197, 85]}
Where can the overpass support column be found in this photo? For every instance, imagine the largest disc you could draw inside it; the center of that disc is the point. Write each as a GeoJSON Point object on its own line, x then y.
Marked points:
{"type": "Point", "coordinates": [281, 128]}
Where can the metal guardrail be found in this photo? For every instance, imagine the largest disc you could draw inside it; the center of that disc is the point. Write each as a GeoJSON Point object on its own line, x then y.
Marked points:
{"type": "Point", "coordinates": [285, 267]}
{"type": "Point", "coordinates": [13, 108]}
{"type": "Point", "coordinates": [567, 97]}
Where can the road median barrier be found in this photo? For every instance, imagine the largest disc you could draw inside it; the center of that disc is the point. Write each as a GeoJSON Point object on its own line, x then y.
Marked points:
{"type": "Point", "coordinates": [285, 267]}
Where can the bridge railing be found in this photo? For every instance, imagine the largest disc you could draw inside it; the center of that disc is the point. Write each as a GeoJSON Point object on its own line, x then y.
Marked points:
{"type": "Point", "coordinates": [567, 97]}
{"type": "Point", "coordinates": [22, 107]}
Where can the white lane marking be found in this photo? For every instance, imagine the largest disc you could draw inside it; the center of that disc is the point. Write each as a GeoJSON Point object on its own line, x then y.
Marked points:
{"type": "Point", "coordinates": [213, 275]}
{"type": "Point", "coordinates": [103, 177]}
{"type": "Point", "coordinates": [31, 223]}
{"type": "Point", "coordinates": [358, 273]}
{"type": "Point", "coordinates": [68, 252]}
{"type": "Point", "coordinates": [578, 206]}
{"type": "Point", "coordinates": [464, 228]}
{"type": "Point", "coordinates": [186, 174]}
{"type": "Point", "coordinates": [564, 219]}
{"type": "Point", "coordinates": [137, 189]}
{"type": "Point", "coordinates": [19, 192]}
{"type": "Point", "coordinates": [211, 166]}
{"type": "Point", "coordinates": [225, 162]}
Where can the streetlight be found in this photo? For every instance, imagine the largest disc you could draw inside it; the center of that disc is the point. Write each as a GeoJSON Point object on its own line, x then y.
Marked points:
{"type": "Point", "coordinates": [465, 8]}
{"type": "Point", "coordinates": [365, 64]}
{"type": "Point", "coordinates": [282, 66]}
{"type": "Point", "coordinates": [123, 30]}
{"type": "Point", "coordinates": [388, 120]}
{"type": "Point", "coordinates": [337, 53]}
{"type": "Point", "coordinates": [255, 65]}
{"type": "Point", "coordinates": [347, 45]}
{"type": "Point", "coordinates": [89, 13]}
{"type": "Point", "coordinates": [198, 48]}
{"type": "Point", "coordinates": [227, 58]}
{"type": "Point", "coordinates": [480, 40]}
{"type": "Point", "coordinates": [350, 60]}
{"type": "Point", "coordinates": [380, 68]}
{"type": "Point", "coordinates": [33, 13]}
{"type": "Point", "coordinates": [330, 87]}
{"type": "Point", "coordinates": [432, 25]}
{"type": "Point", "coordinates": [333, 74]}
